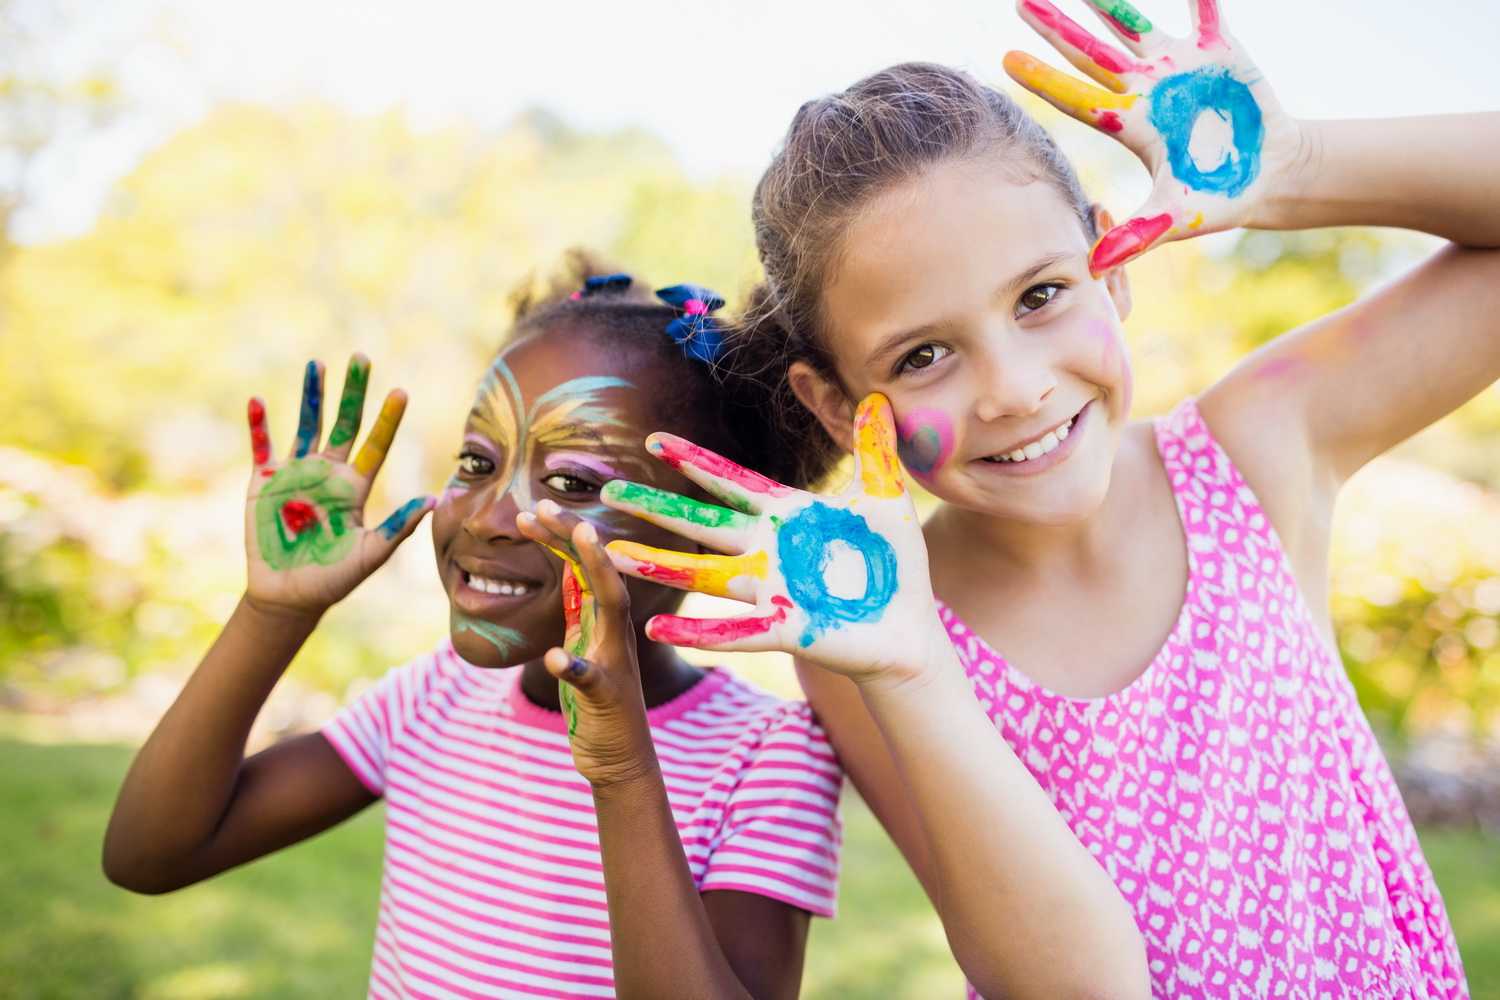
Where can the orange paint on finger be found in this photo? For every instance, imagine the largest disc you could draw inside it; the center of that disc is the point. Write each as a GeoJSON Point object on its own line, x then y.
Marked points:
{"type": "Point", "coordinates": [1068, 91]}
{"type": "Point", "coordinates": [875, 444]}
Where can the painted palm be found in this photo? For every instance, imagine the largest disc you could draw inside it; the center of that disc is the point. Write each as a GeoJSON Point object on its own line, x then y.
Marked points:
{"type": "Point", "coordinates": [840, 580]}
{"type": "Point", "coordinates": [305, 531]}
{"type": "Point", "coordinates": [1196, 110]}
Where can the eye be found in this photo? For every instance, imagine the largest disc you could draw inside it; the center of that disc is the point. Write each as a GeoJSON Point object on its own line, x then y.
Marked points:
{"type": "Point", "coordinates": [474, 464]}
{"type": "Point", "coordinates": [922, 357]}
{"type": "Point", "coordinates": [1035, 297]}
{"type": "Point", "coordinates": [570, 486]}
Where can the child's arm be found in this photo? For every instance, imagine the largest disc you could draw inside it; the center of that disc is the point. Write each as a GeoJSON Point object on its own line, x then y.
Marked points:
{"type": "Point", "coordinates": [192, 805]}
{"type": "Point", "coordinates": [1304, 412]}
{"type": "Point", "coordinates": [667, 941]}
{"type": "Point", "coordinates": [842, 582]}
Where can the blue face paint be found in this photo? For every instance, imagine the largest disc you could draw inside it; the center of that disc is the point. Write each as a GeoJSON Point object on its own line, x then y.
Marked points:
{"type": "Point", "coordinates": [805, 546]}
{"type": "Point", "coordinates": [1176, 105]}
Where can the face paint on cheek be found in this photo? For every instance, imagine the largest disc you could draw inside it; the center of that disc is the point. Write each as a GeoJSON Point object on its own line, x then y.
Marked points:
{"type": "Point", "coordinates": [505, 640]}
{"type": "Point", "coordinates": [1114, 359]}
{"type": "Point", "coordinates": [926, 441]}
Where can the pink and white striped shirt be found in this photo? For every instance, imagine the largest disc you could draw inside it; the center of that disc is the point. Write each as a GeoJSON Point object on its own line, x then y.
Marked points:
{"type": "Point", "coordinates": [493, 884]}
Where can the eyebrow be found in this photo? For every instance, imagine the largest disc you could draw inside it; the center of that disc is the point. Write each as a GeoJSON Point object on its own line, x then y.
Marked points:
{"type": "Point", "coordinates": [893, 343]}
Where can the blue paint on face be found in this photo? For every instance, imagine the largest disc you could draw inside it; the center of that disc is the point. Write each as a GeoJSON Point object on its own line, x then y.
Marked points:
{"type": "Point", "coordinates": [805, 546]}
{"type": "Point", "coordinates": [1176, 105]}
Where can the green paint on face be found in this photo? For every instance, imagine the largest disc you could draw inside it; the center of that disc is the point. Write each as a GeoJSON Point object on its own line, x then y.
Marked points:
{"type": "Point", "coordinates": [674, 506]}
{"type": "Point", "coordinates": [1130, 18]}
{"type": "Point", "coordinates": [288, 527]}
{"type": "Point", "coordinates": [351, 404]}
{"type": "Point", "coordinates": [506, 640]}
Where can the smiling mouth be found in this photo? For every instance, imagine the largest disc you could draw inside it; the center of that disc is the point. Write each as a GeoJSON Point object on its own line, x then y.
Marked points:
{"type": "Point", "coordinates": [1036, 449]}
{"type": "Point", "coordinates": [497, 586]}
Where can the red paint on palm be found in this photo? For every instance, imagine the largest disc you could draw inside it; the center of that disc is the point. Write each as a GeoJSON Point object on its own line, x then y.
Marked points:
{"type": "Point", "coordinates": [1126, 241]}
{"type": "Point", "coordinates": [1071, 32]}
{"type": "Point", "coordinates": [298, 516]}
{"type": "Point", "coordinates": [260, 438]}
{"type": "Point", "coordinates": [678, 631]}
{"type": "Point", "coordinates": [1110, 122]}
{"type": "Point", "coordinates": [678, 452]}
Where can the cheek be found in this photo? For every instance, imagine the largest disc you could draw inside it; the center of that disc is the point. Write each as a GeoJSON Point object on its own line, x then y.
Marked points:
{"type": "Point", "coordinates": [925, 441]}
{"type": "Point", "coordinates": [1113, 359]}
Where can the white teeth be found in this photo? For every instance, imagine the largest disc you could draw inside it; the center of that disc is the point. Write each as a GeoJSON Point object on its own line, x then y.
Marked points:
{"type": "Point", "coordinates": [1041, 446]}
{"type": "Point", "coordinates": [487, 586]}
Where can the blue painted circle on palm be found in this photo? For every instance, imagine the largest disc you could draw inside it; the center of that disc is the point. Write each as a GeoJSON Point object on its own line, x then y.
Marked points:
{"type": "Point", "coordinates": [806, 544]}
{"type": "Point", "coordinates": [1176, 105]}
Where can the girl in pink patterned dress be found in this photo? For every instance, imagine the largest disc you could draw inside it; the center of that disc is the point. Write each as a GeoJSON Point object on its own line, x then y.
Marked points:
{"type": "Point", "coordinates": [1140, 607]}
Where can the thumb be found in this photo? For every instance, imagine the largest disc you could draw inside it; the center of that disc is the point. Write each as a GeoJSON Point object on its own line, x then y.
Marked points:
{"type": "Point", "coordinates": [583, 676]}
{"type": "Point", "coordinates": [1154, 223]}
{"type": "Point", "coordinates": [403, 521]}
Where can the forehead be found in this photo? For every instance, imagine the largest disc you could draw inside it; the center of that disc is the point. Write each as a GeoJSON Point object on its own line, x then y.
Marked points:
{"type": "Point", "coordinates": [943, 241]}
{"type": "Point", "coordinates": [545, 371]}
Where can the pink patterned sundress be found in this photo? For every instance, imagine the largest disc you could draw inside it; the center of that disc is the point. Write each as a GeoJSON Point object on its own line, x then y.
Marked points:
{"type": "Point", "coordinates": [1234, 791]}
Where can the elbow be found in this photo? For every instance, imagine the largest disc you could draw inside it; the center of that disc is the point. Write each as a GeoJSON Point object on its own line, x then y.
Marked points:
{"type": "Point", "coordinates": [128, 870]}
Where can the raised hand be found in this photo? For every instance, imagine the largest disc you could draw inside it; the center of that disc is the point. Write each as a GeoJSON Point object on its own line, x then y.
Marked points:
{"type": "Point", "coordinates": [1196, 111]}
{"type": "Point", "coordinates": [598, 677]}
{"type": "Point", "coordinates": [305, 535]}
{"type": "Point", "coordinates": [841, 581]}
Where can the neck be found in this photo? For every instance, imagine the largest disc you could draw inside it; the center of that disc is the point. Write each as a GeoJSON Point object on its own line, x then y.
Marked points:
{"type": "Point", "coordinates": [664, 676]}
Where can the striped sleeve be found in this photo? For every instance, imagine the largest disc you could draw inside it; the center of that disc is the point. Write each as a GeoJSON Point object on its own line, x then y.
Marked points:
{"type": "Point", "coordinates": [364, 731]}
{"type": "Point", "coordinates": [781, 833]}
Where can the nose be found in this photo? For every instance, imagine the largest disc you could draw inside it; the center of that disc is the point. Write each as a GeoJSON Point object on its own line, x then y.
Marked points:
{"type": "Point", "coordinates": [1016, 374]}
{"type": "Point", "coordinates": [492, 515]}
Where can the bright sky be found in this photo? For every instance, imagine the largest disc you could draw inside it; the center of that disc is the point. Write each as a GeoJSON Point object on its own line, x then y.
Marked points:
{"type": "Point", "coordinates": [717, 81]}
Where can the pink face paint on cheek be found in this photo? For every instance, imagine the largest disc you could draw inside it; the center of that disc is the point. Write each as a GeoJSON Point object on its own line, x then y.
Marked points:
{"type": "Point", "coordinates": [925, 441]}
{"type": "Point", "coordinates": [1114, 358]}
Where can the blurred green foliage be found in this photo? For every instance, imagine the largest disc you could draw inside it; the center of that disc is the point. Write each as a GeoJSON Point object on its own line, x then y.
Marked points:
{"type": "Point", "coordinates": [261, 237]}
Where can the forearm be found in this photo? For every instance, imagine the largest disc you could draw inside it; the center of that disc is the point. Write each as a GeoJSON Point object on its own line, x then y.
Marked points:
{"type": "Point", "coordinates": [1433, 174]}
{"type": "Point", "coordinates": [1028, 912]}
{"type": "Point", "coordinates": [662, 941]}
{"type": "Point", "coordinates": [184, 777]}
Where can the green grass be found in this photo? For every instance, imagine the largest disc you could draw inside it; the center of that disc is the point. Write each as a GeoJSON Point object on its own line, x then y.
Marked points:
{"type": "Point", "coordinates": [300, 924]}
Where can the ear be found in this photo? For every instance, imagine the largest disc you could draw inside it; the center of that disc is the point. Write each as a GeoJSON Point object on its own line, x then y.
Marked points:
{"type": "Point", "coordinates": [826, 400]}
{"type": "Point", "coordinates": [1116, 282]}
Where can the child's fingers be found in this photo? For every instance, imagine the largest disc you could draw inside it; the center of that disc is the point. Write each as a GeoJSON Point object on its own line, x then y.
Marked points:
{"type": "Point", "coordinates": [351, 408]}
{"type": "Point", "coordinates": [1098, 108]}
{"type": "Point", "coordinates": [1152, 225]}
{"type": "Point", "coordinates": [734, 484]}
{"type": "Point", "coordinates": [721, 576]}
{"type": "Point", "coordinates": [1129, 24]}
{"type": "Point", "coordinates": [260, 437]}
{"type": "Point", "coordinates": [1104, 63]}
{"type": "Point", "coordinates": [878, 467]}
{"type": "Point", "coordinates": [310, 420]}
{"type": "Point", "coordinates": [604, 580]}
{"type": "Point", "coordinates": [404, 519]}
{"type": "Point", "coordinates": [573, 671]}
{"type": "Point", "coordinates": [551, 526]}
{"type": "Point", "coordinates": [372, 453]}
{"type": "Point", "coordinates": [1207, 22]}
{"type": "Point", "coordinates": [716, 527]}
{"type": "Point", "coordinates": [749, 634]}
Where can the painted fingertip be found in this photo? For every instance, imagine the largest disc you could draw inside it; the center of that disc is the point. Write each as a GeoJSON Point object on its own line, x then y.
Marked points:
{"type": "Point", "coordinates": [577, 665]}
{"type": "Point", "coordinates": [587, 533]}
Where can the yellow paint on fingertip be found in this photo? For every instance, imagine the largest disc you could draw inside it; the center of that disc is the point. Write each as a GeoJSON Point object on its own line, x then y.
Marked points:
{"type": "Point", "coordinates": [1065, 89]}
{"type": "Point", "coordinates": [875, 444]}
{"type": "Point", "coordinates": [372, 453]}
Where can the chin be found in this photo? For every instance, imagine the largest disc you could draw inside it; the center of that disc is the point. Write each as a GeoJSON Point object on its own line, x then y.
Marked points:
{"type": "Point", "coordinates": [491, 646]}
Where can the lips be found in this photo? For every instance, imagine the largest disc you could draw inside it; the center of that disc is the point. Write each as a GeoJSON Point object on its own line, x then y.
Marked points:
{"type": "Point", "coordinates": [482, 588]}
{"type": "Point", "coordinates": [1043, 451]}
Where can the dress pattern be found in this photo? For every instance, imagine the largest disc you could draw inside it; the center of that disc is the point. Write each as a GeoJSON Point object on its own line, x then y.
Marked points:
{"type": "Point", "coordinates": [1234, 791]}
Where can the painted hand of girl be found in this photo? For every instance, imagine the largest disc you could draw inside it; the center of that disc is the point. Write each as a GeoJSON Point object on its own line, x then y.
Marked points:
{"type": "Point", "coordinates": [1196, 111]}
{"type": "Point", "coordinates": [596, 668]}
{"type": "Point", "coordinates": [840, 581]}
{"type": "Point", "coordinates": [304, 526]}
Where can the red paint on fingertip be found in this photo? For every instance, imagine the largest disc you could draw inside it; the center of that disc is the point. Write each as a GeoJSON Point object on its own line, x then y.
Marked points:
{"type": "Point", "coordinates": [1126, 241]}
{"type": "Point", "coordinates": [678, 631]}
{"type": "Point", "coordinates": [260, 440]}
{"type": "Point", "coordinates": [1110, 122]}
{"type": "Point", "coordinates": [677, 452]}
{"type": "Point", "coordinates": [1069, 31]}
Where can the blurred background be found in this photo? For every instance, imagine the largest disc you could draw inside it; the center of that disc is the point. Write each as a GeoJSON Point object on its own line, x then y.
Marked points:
{"type": "Point", "coordinates": [195, 198]}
